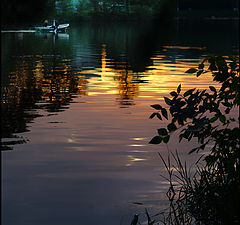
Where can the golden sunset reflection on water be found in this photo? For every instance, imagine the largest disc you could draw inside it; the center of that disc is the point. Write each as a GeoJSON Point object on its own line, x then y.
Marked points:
{"type": "Point", "coordinates": [157, 81]}
{"type": "Point", "coordinates": [100, 90]}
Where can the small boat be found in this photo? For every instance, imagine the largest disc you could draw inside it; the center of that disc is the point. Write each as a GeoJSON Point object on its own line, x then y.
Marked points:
{"type": "Point", "coordinates": [53, 29]}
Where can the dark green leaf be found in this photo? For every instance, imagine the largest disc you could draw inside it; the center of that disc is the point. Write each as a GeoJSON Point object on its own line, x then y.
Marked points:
{"type": "Point", "coordinates": [186, 134]}
{"type": "Point", "coordinates": [213, 119]}
{"type": "Point", "coordinates": [156, 106]}
{"type": "Point", "coordinates": [227, 104]}
{"type": "Point", "coordinates": [180, 104]}
{"type": "Point", "coordinates": [167, 100]}
{"type": "Point", "coordinates": [222, 118]}
{"type": "Point", "coordinates": [171, 127]}
{"type": "Point", "coordinates": [166, 139]}
{"type": "Point", "coordinates": [162, 132]}
{"type": "Point", "coordinates": [188, 92]}
{"type": "Point", "coordinates": [179, 88]}
{"type": "Point", "coordinates": [164, 113]}
{"type": "Point", "coordinates": [192, 70]}
{"type": "Point", "coordinates": [156, 140]}
{"type": "Point", "coordinates": [174, 93]}
{"type": "Point", "coordinates": [227, 111]}
{"type": "Point", "coordinates": [180, 137]}
{"type": "Point", "coordinates": [153, 114]}
{"type": "Point", "coordinates": [159, 116]}
{"type": "Point", "coordinates": [199, 73]}
{"type": "Point", "coordinates": [213, 89]}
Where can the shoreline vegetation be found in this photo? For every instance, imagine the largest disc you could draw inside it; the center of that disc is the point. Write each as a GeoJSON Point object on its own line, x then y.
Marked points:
{"type": "Point", "coordinates": [31, 26]}
{"type": "Point", "coordinates": [74, 19]}
{"type": "Point", "coordinates": [210, 195]}
{"type": "Point", "coordinates": [146, 16]}
{"type": "Point", "coordinates": [29, 13]}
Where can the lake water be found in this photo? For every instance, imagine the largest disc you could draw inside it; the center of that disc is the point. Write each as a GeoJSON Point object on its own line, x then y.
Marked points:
{"type": "Point", "coordinates": [75, 117]}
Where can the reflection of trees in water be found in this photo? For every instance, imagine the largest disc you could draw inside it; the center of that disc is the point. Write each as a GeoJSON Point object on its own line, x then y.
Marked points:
{"type": "Point", "coordinates": [18, 100]}
{"type": "Point", "coordinates": [128, 86]}
{"type": "Point", "coordinates": [35, 81]}
{"type": "Point", "coordinates": [127, 80]}
{"type": "Point", "coordinates": [58, 87]}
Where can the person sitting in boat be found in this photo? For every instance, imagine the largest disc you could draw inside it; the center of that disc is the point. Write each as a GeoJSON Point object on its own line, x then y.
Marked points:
{"type": "Point", "coordinates": [45, 23]}
{"type": "Point", "coordinates": [55, 24]}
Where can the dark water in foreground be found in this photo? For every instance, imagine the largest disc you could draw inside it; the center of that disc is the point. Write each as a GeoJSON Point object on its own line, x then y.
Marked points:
{"type": "Point", "coordinates": [75, 117]}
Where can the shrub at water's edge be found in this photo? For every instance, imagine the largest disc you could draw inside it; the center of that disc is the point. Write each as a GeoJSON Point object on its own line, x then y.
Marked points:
{"type": "Point", "coordinates": [212, 194]}
{"type": "Point", "coordinates": [206, 115]}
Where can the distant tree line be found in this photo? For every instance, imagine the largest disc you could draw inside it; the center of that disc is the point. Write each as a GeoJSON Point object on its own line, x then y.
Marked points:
{"type": "Point", "coordinates": [29, 11]}
{"type": "Point", "coordinates": [206, 4]}
{"type": "Point", "coordinates": [130, 9]}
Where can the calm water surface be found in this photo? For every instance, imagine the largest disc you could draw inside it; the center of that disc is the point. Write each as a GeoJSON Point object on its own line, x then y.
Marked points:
{"type": "Point", "coordinates": [75, 117]}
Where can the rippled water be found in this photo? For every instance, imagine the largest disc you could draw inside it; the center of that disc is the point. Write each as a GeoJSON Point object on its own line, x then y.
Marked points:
{"type": "Point", "coordinates": [75, 117]}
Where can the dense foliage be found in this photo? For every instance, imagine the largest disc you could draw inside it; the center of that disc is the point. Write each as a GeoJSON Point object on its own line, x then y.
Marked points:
{"type": "Point", "coordinates": [113, 9]}
{"type": "Point", "coordinates": [206, 4]}
{"type": "Point", "coordinates": [212, 195]}
{"type": "Point", "coordinates": [26, 11]}
{"type": "Point", "coordinates": [197, 112]}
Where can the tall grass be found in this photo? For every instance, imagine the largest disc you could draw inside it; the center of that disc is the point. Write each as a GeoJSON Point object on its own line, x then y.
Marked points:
{"type": "Point", "coordinates": [198, 196]}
